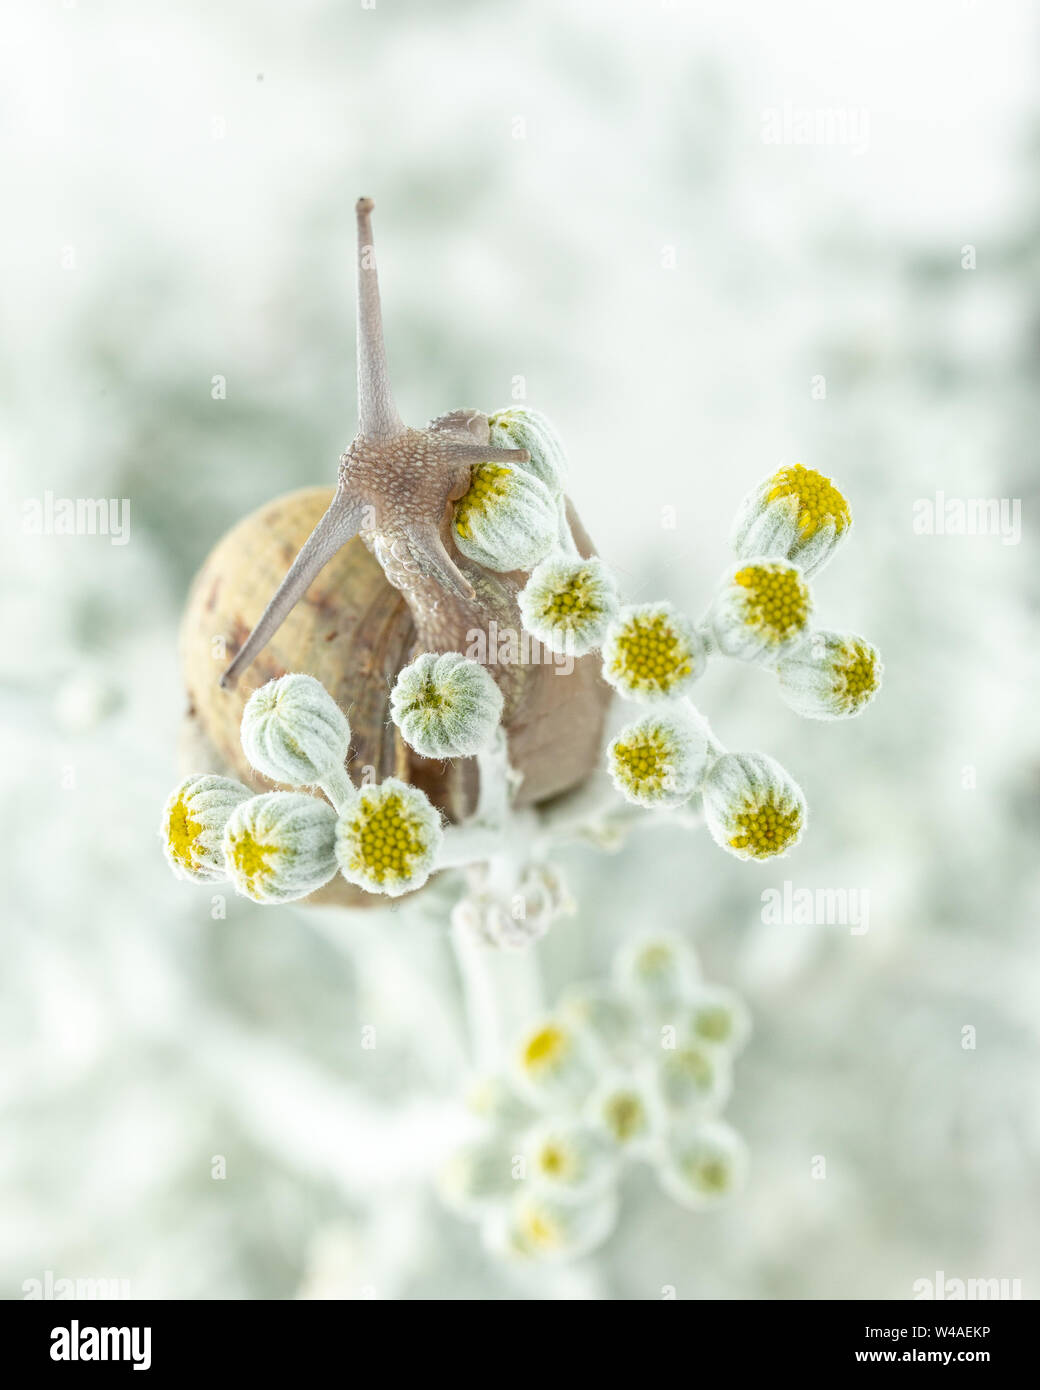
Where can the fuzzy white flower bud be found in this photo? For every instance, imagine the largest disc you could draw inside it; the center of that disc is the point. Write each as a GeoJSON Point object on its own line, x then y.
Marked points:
{"type": "Point", "coordinates": [797, 514]}
{"type": "Point", "coordinates": [834, 675]}
{"type": "Point", "coordinates": [294, 732]}
{"type": "Point", "coordinates": [693, 1077]}
{"type": "Point", "coordinates": [658, 760]}
{"type": "Point", "coordinates": [280, 846]}
{"type": "Point", "coordinates": [387, 838]}
{"type": "Point", "coordinates": [656, 968]}
{"type": "Point", "coordinates": [598, 1009]}
{"type": "Point", "coordinates": [520, 428]}
{"type": "Point", "coordinates": [714, 1017]}
{"type": "Point", "coordinates": [539, 1225]}
{"type": "Point", "coordinates": [491, 1098]}
{"type": "Point", "coordinates": [569, 603]}
{"type": "Point", "coordinates": [569, 1158]}
{"type": "Point", "coordinates": [752, 807]}
{"type": "Point", "coordinates": [476, 1175]}
{"type": "Point", "coordinates": [652, 652]}
{"type": "Point", "coordinates": [193, 825]}
{"type": "Point", "coordinates": [625, 1110]}
{"type": "Point", "coordinates": [761, 611]}
{"type": "Point", "coordinates": [506, 520]}
{"type": "Point", "coordinates": [446, 706]}
{"type": "Point", "coordinates": [705, 1164]}
{"type": "Point", "coordinates": [553, 1064]}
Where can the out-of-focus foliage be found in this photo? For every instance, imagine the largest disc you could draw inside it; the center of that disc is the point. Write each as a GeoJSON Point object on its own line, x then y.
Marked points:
{"type": "Point", "coordinates": [578, 196]}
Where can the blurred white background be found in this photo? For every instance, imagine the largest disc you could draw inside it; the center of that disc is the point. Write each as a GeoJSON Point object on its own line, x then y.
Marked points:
{"type": "Point", "coordinates": [584, 195]}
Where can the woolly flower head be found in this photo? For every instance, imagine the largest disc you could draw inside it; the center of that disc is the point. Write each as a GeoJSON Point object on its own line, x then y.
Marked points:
{"type": "Point", "coordinates": [692, 1077]}
{"type": "Point", "coordinates": [568, 1157]}
{"type": "Point", "coordinates": [715, 1017]}
{"type": "Point", "coordinates": [705, 1164]}
{"type": "Point", "coordinates": [833, 676]}
{"type": "Point", "coordinates": [599, 1010]}
{"type": "Point", "coordinates": [568, 604]}
{"type": "Point", "coordinates": [652, 652]}
{"type": "Point", "coordinates": [752, 807]}
{"type": "Point", "coordinates": [520, 428]}
{"type": "Point", "coordinates": [540, 1225]}
{"type": "Point", "coordinates": [761, 611]}
{"type": "Point", "coordinates": [623, 1110]}
{"type": "Point", "coordinates": [193, 825]}
{"type": "Point", "coordinates": [446, 706]}
{"type": "Point", "coordinates": [476, 1174]}
{"type": "Point", "coordinates": [506, 519]}
{"type": "Point", "coordinates": [796, 513]}
{"type": "Point", "coordinates": [387, 838]}
{"type": "Point", "coordinates": [280, 846]}
{"type": "Point", "coordinates": [656, 968]}
{"type": "Point", "coordinates": [553, 1064]}
{"type": "Point", "coordinates": [658, 760]}
{"type": "Point", "coordinates": [294, 732]}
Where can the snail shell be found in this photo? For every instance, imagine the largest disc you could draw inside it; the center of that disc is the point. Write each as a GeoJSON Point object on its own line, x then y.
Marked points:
{"type": "Point", "coordinates": [354, 632]}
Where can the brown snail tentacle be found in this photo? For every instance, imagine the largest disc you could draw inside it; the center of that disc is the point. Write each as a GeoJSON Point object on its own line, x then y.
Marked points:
{"type": "Point", "coordinates": [377, 413]}
{"type": "Point", "coordinates": [339, 525]}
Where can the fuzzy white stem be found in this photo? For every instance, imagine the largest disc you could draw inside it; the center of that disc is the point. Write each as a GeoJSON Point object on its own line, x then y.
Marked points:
{"type": "Point", "coordinates": [338, 788]}
{"type": "Point", "coordinates": [468, 844]}
{"type": "Point", "coordinates": [503, 992]}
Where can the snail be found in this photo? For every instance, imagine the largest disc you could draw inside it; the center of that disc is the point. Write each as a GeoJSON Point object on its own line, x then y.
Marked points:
{"type": "Point", "coordinates": [373, 576]}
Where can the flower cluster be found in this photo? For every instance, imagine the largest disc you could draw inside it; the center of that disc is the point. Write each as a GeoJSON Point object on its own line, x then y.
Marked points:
{"type": "Point", "coordinates": [635, 1069]}
{"type": "Point", "coordinates": [388, 838]}
{"type": "Point", "coordinates": [282, 846]}
{"type": "Point", "coordinates": [786, 529]}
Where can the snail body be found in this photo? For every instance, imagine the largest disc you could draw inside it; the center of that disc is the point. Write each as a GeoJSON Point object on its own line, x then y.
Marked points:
{"type": "Point", "coordinates": [377, 579]}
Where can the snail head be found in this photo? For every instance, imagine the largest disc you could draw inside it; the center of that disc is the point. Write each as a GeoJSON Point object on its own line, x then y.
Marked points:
{"type": "Point", "coordinates": [395, 484]}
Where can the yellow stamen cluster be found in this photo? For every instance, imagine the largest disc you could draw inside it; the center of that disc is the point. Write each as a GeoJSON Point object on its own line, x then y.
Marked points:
{"type": "Point", "coordinates": [766, 827]}
{"type": "Point", "coordinates": [183, 835]}
{"type": "Point", "coordinates": [857, 678]}
{"type": "Point", "coordinates": [576, 600]}
{"type": "Point", "coordinates": [655, 960]}
{"type": "Point", "coordinates": [818, 499]}
{"type": "Point", "coordinates": [714, 1024]}
{"type": "Point", "coordinates": [251, 859]}
{"type": "Point", "coordinates": [386, 839]}
{"type": "Point", "coordinates": [556, 1161]}
{"type": "Point", "coordinates": [708, 1174]}
{"type": "Point", "coordinates": [539, 1229]}
{"type": "Point", "coordinates": [625, 1115]}
{"type": "Point", "coordinates": [545, 1048]}
{"type": "Point", "coordinates": [776, 601]}
{"type": "Point", "coordinates": [643, 762]}
{"type": "Point", "coordinates": [428, 697]}
{"type": "Point", "coordinates": [488, 486]}
{"type": "Point", "coordinates": [695, 1066]}
{"type": "Point", "coordinates": [650, 655]}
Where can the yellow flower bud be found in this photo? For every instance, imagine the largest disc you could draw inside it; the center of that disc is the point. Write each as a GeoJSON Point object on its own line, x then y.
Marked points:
{"type": "Point", "coordinates": [752, 807]}
{"type": "Point", "coordinates": [652, 652]}
{"type": "Point", "coordinates": [796, 514]}
{"type": "Point", "coordinates": [193, 825]}
{"type": "Point", "coordinates": [387, 838]}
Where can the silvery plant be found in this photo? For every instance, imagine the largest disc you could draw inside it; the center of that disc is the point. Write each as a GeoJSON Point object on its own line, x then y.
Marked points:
{"type": "Point", "coordinates": [635, 1068]}
{"type": "Point", "coordinates": [459, 730]}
